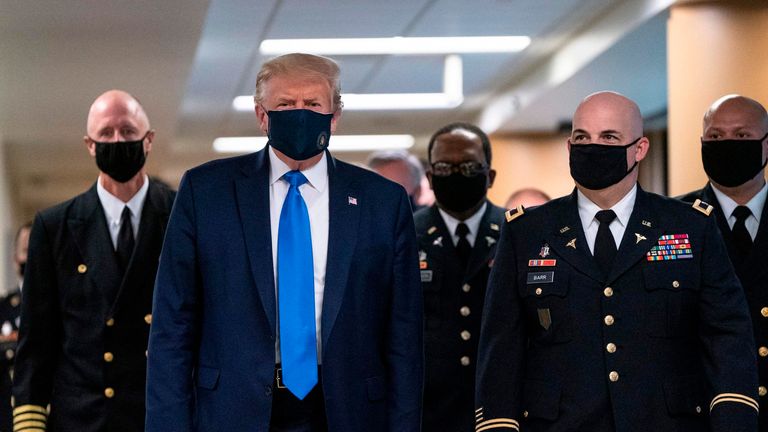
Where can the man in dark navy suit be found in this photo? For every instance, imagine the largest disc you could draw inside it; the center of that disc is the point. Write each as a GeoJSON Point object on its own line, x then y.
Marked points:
{"type": "Point", "coordinates": [457, 241]}
{"type": "Point", "coordinates": [288, 294]}
{"type": "Point", "coordinates": [734, 151]}
{"type": "Point", "coordinates": [614, 309]}
{"type": "Point", "coordinates": [87, 303]}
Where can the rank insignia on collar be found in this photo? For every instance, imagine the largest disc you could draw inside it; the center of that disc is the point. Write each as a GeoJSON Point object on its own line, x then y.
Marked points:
{"type": "Point", "coordinates": [514, 213]}
{"type": "Point", "coordinates": [438, 241]}
{"type": "Point", "coordinates": [544, 251]}
{"type": "Point", "coordinates": [494, 227]}
{"type": "Point", "coordinates": [639, 238]}
{"type": "Point", "coordinates": [490, 240]}
{"type": "Point", "coordinates": [431, 230]}
{"type": "Point", "coordinates": [571, 244]}
{"type": "Point", "coordinates": [702, 207]}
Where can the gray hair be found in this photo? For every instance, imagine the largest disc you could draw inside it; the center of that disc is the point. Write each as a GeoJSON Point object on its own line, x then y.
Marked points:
{"type": "Point", "coordinates": [384, 157]}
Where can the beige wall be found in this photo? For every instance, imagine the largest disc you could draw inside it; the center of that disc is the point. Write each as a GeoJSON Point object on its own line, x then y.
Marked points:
{"type": "Point", "coordinates": [714, 48]}
{"type": "Point", "coordinates": [7, 231]}
{"type": "Point", "coordinates": [530, 161]}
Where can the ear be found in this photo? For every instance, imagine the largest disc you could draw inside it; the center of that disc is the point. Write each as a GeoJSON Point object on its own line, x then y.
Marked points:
{"type": "Point", "coordinates": [90, 145]}
{"type": "Point", "coordinates": [568, 144]}
{"type": "Point", "coordinates": [642, 149]}
{"type": "Point", "coordinates": [262, 118]}
{"type": "Point", "coordinates": [429, 179]}
{"type": "Point", "coordinates": [491, 178]}
{"type": "Point", "coordinates": [334, 120]}
{"type": "Point", "coordinates": [148, 139]}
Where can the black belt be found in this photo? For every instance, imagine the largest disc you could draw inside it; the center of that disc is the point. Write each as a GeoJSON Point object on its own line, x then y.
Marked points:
{"type": "Point", "coordinates": [279, 377]}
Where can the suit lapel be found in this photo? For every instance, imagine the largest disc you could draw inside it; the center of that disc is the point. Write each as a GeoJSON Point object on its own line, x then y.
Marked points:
{"type": "Point", "coordinates": [568, 240]}
{"type": "Point", "coordinates": [252, 193]}
{"type": "Point", "coordinates": [91, 235]}
{"type": "Point", "coordinates": [641, 234]}
{"type": "Point", "coordinates": [344, 203]}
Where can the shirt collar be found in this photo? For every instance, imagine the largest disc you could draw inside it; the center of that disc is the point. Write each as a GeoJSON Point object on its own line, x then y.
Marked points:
{"type": "Point", "coordinates": [317, 174]}
{"type": "Point", "coordinates": [623, 208]}
{"type": "Point", "coordinates": [756, 204]}
{"type": "Point", "coordinates": [472, 222]}
{"type": "Point", "coordinates": [113, 206]}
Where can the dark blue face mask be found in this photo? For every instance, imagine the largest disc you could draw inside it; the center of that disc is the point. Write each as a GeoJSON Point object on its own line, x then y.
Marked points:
{"type": "Point", "coordinates": [299, 133]}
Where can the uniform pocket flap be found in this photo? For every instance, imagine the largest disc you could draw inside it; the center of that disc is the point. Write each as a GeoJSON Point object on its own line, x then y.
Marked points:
{"type": "Point", "coordinates": [376, 388]}
{"type": "Point", "coordinates": [541, 399]}
{"type": "Point", "coordinates": [672, 276]}
{"type": "Point", "coordinates": [207, 378]}
{"type": "Point", "coordinates": [544, 283]}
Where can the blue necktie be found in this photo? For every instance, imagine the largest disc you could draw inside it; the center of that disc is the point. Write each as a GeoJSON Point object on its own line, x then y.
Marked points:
{"type": "Point", "coordinates": [296, 291]}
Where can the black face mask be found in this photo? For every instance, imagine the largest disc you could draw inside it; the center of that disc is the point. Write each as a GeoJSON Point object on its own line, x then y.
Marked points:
{"type": "Point", "coordinates": [299, 133]}
{"type": "Point", "coordinates": [121, 160]}
{"type": "Point", "coordinates": [459, 193]}
{"type": "Point", "coordinates": [598, 166]}
{"type": "Point", "coordinates": [733, 162]}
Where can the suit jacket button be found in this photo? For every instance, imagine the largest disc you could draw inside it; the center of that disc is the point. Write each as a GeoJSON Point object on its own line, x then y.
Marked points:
{"type": "Point", "coordinates": [609, 320]}
{"type": "Point", "coordinates": [613, 376]}
{"type": "Point", "coordinates": [148, 318]}
{"type": "Point", "coordinates": [82, 268]}
{"type": "Point", "coordinates": [109, 392]}
{"type": "Point", "coordinates": [608, 292]}
{"type": "Point", "coordinates": [611, 347]}
{"type": "Point", "coordinates": [464, 311]}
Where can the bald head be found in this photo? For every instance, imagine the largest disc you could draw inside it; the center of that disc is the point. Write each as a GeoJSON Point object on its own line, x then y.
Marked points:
{"type": "Point", "coordinates": [735, 117]}
{"type": "Point", "coordinates": [116, 116]}
{"type": "Point", "coordinates": [609, 111]}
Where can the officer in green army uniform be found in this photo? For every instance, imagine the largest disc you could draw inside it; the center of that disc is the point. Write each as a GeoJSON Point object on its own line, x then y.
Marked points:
{"type": "Point", "coordinates": [614, 309]}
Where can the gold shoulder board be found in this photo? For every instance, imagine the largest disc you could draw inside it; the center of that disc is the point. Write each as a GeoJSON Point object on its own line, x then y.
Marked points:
{"type": "Point", "coordinates": [703, 207]}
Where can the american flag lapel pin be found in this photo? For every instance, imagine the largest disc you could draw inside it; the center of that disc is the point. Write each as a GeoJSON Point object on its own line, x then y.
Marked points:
{"type": "Point", "coordinates": [351, 200]}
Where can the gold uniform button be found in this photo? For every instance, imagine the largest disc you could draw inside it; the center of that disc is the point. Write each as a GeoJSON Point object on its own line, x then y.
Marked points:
{"type": "Point", "coordinates": [10, 354]}
{"type": "Point", "coordinates": [608, 292]}
{"type": "Point", "coordinates": [466, 288]}
{"type": "Point", "coordinates": [764, 312]}
{"type": "Point", "coordinates": [698, 409]}
{"type": "Point", "coordinates": [148, 318]}
{"type": "Point", "coordinates": [608, 320]}
{"type": "Point", "coordinates": [611, 347]}
{"type": "Point", "coordinates": [539, 291]}
{"type": "Point", "coordinates": [762, 391]}
{"type": "Point", "coordinates": [675, 284]}
{"type": "Point", "coordinates": [110, 322]}
{"type": "Point", "coordinates": [464, 311]}
{"type": "Point", "coordinates": [763, 351]}
{"type": "Point", "coordinates": [108, 357]}
{"type": "Point", "coordinates": [613, 376]}
{"type": "Point", "coordinates": [109, 392]}
{"type": "Point", "coordinates": [465, 361]}
{"type": "Point", "coordinates": [82, 268]}
{"type": "Point", "coordinates": [525, 414]}
{"type": "Point", "coordinates": [466, 335]}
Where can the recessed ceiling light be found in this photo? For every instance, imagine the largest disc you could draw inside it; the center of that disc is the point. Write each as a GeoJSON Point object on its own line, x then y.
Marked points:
{"type": "Point", "coordinates": [337, 143]}
{"type": "Point", "coordinates": [397, 45]}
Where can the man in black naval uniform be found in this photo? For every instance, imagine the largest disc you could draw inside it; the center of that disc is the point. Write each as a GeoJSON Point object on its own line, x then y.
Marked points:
{"type": "Point", "coordinates": [87, 303]}
{"type": "Point", "coordinates": [734, 152]}
{"type": "Point", "coordinates": [10, 308]}
{"type": "Point", "coordinates": [457, 240]}
{"type": "Point", "coordinates": [614, 309]}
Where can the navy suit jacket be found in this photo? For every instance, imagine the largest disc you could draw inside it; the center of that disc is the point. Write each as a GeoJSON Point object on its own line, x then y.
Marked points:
{"type": "Point", "coordinates": [212, 342]}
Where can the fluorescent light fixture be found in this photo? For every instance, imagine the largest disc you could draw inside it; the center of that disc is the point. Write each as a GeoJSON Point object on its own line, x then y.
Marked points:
{"type": "Point", "coordinates": [451, 97]}
{"type": "Point", "coordinates": [397, 45]}
{"type": "Point", "coordinates": [338, 143]}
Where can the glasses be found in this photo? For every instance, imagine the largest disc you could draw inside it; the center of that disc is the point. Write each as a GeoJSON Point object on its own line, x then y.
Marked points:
{"type": "Point", "coordinates": [467, 169]}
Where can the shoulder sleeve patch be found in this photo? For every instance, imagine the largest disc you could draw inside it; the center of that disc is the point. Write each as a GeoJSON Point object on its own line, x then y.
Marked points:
{"type": "Point", "coordinates": [703, 207]}
{"type": "Point", "coordinates": [514, 213]}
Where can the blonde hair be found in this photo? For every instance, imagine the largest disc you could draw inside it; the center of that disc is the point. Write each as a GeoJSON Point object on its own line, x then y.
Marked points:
{"type": "Point", "coordinates": [302, 65]}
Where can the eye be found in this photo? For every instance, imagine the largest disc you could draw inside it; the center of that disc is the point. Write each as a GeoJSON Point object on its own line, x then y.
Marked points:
{"type": "Point", "coordinates": [743, 135]}
{"type": "Point", "coordinates": [713, 136]}
{"type": "Point", "coordinates": [610, 137]}
{"type": "Point", "coordinates": [579, 138]}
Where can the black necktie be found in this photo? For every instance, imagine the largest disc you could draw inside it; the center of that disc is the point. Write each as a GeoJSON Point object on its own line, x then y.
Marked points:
{"type": "Point", "coordinates": [741, 237]}
{"type": "Point", "coordinates": [463, 247]}
{"type": "Point", "coordinates": [605, 246]}
{"type": "Point", "coordinates": [125, 239]}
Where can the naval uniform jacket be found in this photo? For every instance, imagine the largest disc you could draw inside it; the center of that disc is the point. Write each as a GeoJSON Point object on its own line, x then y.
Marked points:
{"type": "Point", "coordinates": [752, 271]}
{"type": "Point", "coordinates": [453, 302]}
{"type": "Point", "coordinates": [212, 344]}
{"type": "Point", "coordinates": [10, 306]}
{"type": "Point", "coordinates": [84, 325]}
{"type": "Point", "coordinates": [657, 345]}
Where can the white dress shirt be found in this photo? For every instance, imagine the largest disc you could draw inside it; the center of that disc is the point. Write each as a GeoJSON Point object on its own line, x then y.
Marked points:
{"type": "Point", "coordinates": [588, 210]}
{"type": "Point", "coordinates": [728, 205]}
{"type": "Point", "coordinates": [315, 194]}
{"type": "Point", "coordinates": [113, 209]}
{"type": "Point", "coordinates": [472, 222]}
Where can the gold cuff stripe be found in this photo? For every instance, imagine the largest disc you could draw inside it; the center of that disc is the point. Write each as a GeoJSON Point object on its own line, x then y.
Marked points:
{"type": "Point", "coordinates": [478, 415]}
{"type": "Point", "coordinates": [29, 426]}
{"type": "Point", "coordinates": [29, 416]}
{"type": "Point", "coordinates": [505, 421]}
{"type": "Point", "coordinates": [734, 397]}
{"type": "Point", "coordinates": [479, 409]}
{"type": "Point", "coordinates": [29, 408]}
{"type": "Point", "coordinates": [498, 426]}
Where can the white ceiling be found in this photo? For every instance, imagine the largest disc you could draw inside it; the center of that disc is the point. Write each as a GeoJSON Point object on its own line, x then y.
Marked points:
{"type": "Point", "coordinates": [186, 61]}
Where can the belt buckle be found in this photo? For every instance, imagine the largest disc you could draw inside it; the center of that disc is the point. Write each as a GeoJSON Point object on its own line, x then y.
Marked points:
{"type": "Point", "coordinates": [279, 378]}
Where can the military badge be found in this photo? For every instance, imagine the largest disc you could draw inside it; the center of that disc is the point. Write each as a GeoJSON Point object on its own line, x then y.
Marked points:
{"type": "Point", "coordinates": [671, 247]}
